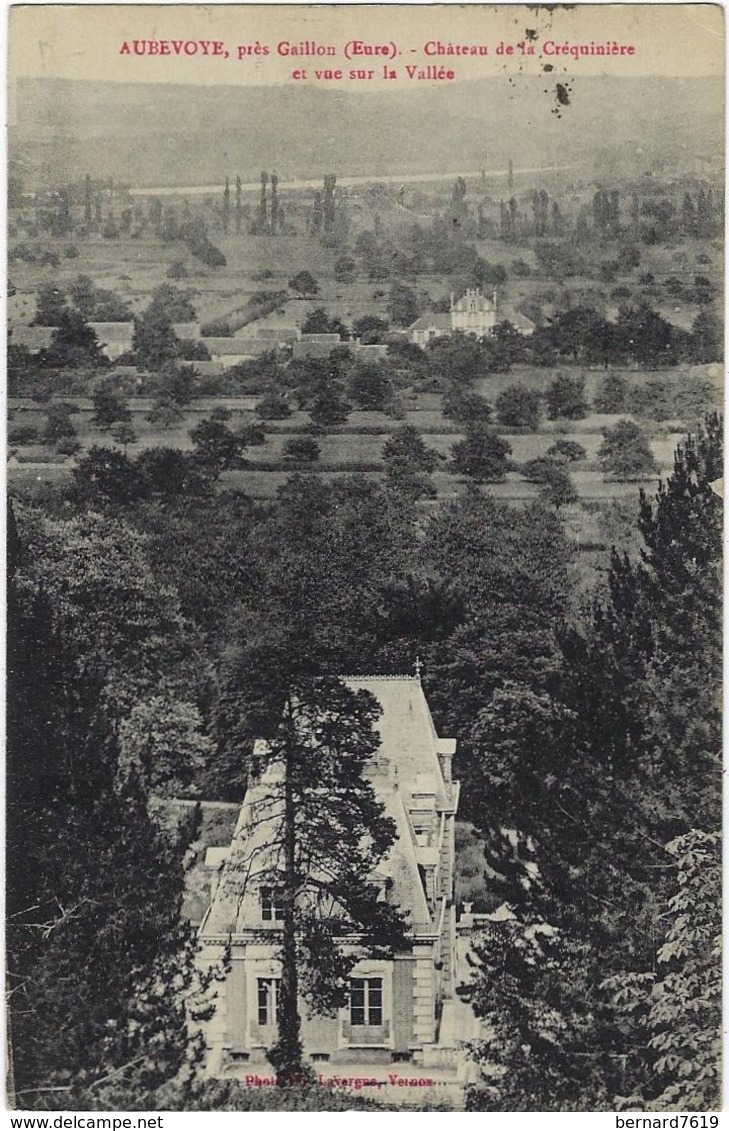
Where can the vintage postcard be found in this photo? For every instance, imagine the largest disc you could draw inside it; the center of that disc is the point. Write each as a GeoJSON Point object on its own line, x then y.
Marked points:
{"type": "Point", "coordinates": [364, 451]}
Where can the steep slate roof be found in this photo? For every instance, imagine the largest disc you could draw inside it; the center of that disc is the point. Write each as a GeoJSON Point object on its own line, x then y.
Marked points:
{"type": "Point", "coordinates": [408, 734]}
{"type": "Point", "coordinates": [437, 321]}
{"type": "Point", "coordinates": [518, 320]}
{"type": "Point", "coordinates": [406, 764]}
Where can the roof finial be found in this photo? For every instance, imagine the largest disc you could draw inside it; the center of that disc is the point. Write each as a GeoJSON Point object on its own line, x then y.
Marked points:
{"type": "Point", "coordinates": [418, 667]}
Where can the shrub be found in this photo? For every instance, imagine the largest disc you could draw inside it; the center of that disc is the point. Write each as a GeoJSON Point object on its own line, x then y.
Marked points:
{"type": "Point", "coordinates": [252, 435]}
{"type": "Point", "coordinates": [412, 484]}
{"type": "Point", "coordinates": [538, 470]}
{"type": "Point", "coordinates": [405, 449]}
{"type": "Point", "coordinates": [330, 407]}
{"type": "Point", "coordinates": [23, 434]}
{"type": "Point", "coordinates": [653, 400]}
{"type": "Point", "coordinates": [303, 449]}
{"type": "Point", "coordinates": [177, 270]}
{"type": "Point", "coordinates": [216, 329]}
{"type": "Point", "coordinates": [558, 487]}
{"type": "Point", "coordinates": [482, 454]}
{"type": "Point", "coordinates": [208, 254]}
{"type": "Point", "coordinates": [565, 398]}
{"type": "Point", "coordinates": [216, 448]}
{"type": "Point", "coordinates": [345, 270]}
{"type": "Point", "coordinates": [625, 452]}
{"type": "Point", "coordinates": [559, 490]}
{"type": "Point", "coordinates": [567, 450]}
{"type": "Point", "coordinates": [168, 471]}
{"type": "Point", "coordinates": [105, 475]}
{"type": "Point", "coordinates": [464, 406]}
{"type": "Point", "coordinates": [68, 446]}
{"type": "Point", "coordinates": [189, 349]}
{"type": "Point", "coordinates": [612, 395]}
{"type": "Point", "coordinates": [518, 406]}
{"type": "Point", "coordinates": [272, 406]}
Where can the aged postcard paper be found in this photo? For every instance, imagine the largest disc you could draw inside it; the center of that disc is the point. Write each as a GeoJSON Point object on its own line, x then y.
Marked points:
{"type": "Point", "coordinates": [364, 533]}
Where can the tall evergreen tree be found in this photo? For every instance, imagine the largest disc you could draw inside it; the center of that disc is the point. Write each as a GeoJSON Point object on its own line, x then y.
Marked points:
{"type": "Point", "coordinates": [87, 201]}
{"type": "Point", "coordinates": [325, 833]}
{"type": "Point", "coordinates": [238, 206]}
{"type": "Point", "coordinates": [263, 205]}
{"type": "Point", "coordinates": [329, 207]}
{"type": "Point", "coordinates": [226, 205]}
{"type": "Point", "coordinates": [274, 204]}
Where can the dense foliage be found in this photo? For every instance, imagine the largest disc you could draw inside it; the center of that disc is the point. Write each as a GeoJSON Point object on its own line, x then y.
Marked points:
{"type": "Point", "coordinates": [601, 797]}
{"type": "Point", "coordinates": [101, 977]}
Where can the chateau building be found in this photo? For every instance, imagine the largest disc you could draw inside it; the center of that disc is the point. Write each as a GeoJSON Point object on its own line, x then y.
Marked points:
{"type": "Point", "coordinates": [472, 313]}
{"type": "Point", "coordinates": [400, 1009]}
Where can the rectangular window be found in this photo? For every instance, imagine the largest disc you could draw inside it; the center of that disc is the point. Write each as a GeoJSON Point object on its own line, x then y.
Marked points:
{"type": "Point", "coordinates": [268, 1000]}
{"type": "Point", "coordinates": [272, 905]}
{"type": "Point", "coordinates": [365, 1001]}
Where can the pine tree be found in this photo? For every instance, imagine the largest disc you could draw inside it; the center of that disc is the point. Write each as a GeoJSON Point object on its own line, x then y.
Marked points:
{"type": "Point", "coordinates": [263, 205]}
{"type": "Point", "coordinates": [274, 204]}
{"type": "Point", "coordinates": [317, 214]}
{"type": "Point", "coordinates": [226, 205]}
{"type": "Point", "coordinates": [87, 201]}
{"type": "Point", "coordinates": [329, 203]}
{"type": "Point", "coordinates": [688, 216]}
{"type": "Point", "coordinates": [504, 226]}
{"type": "Point", "coordinates": [325, 833]}
{"type": "Point", "coordinates": [238, 206]}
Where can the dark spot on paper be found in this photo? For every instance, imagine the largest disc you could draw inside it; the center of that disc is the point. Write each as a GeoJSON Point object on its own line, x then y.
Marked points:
{"type": "Point", "coordinates": [530, 34]}
{"type": "Point", "coordinates": [562, 92]}
{"type": "Point", "coordinates": [547, 67]}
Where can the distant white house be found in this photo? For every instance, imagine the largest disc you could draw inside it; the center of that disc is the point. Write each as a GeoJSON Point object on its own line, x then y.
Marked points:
{"type": "Point", "coordinates": [473, 313]}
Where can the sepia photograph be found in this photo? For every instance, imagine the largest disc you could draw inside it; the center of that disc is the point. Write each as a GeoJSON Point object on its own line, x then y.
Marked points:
{"type": "Point", "coordinates": [364, 559]}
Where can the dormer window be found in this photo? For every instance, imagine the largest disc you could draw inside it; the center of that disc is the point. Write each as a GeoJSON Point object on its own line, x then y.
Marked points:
{"type": "Point", "coordinates": [272, 905]}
